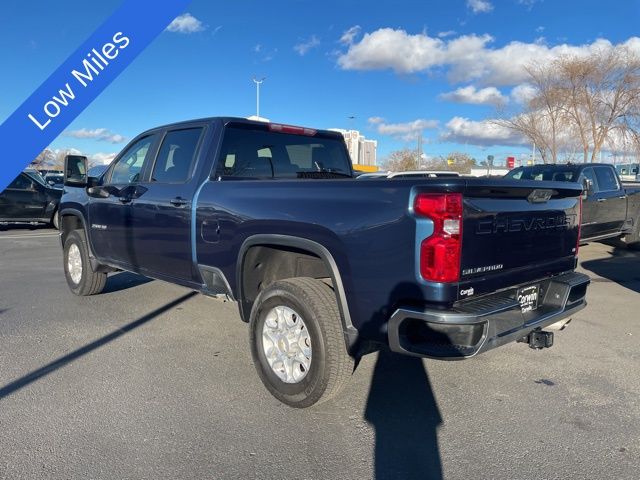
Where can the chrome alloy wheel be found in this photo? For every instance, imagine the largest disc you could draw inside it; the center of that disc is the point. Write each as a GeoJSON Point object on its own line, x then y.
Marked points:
{"type": "Point", "coordinates": [74, 263]}
{"type": "Point", "coordinates": [286, 344]}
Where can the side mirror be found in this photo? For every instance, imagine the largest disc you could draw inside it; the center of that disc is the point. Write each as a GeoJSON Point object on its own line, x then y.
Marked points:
{"type": "Point", "coordinates": [75, 171]}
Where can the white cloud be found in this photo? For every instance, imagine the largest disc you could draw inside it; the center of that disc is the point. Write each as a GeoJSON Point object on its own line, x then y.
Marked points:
{"type": "Point", "coordinates": [465, 58]}
{"type": "Point", "coordinates": [349, 35]}
{"type": "Point", "coordinates": [528, 3]}
{"type": "Point", "coordinates": [101, 134]}
{"type": "Point", "coordinates": [395, 49]}
{"type": "Point", "coordinates": [257, 48]}
{"type": "Point", "coordinates": [101, 158]}
{"type": "Point", "coordinates": [304, 47]}
{"type": "Point", "coordinates": [479, 6]}
{"type": "Point", "coordinates": [446, 33]}
{"type": "Point", "coordinates": [405, 131]}
{"type": "Point", "coordinates": [523, 93]}
{"type": "Point", "coordinates": [481, 133]}
{"type": "Point", "coordinates": [469, 94]}
{"type": "Point", "coordinates": [186, 23]}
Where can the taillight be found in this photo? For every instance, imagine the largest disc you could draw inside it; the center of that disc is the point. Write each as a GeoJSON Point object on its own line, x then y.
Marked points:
{"type": "Point", "coordinates": [278, 127]}
{"type": "Point", "coordinates": [579, 225]}
{"type": "Point", "coordinates": [440, 252]}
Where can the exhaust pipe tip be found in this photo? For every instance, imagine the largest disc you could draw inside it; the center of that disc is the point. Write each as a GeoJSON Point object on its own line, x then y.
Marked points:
{"type": "Point", "coordinates": [559, 326]}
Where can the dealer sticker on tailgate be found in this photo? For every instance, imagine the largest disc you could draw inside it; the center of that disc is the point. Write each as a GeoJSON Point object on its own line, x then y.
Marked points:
{"type": "Point", "coordinates": [528, 298]}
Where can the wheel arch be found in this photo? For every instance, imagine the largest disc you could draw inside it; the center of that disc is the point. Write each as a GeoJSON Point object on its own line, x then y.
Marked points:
{"type": "Point", "coordinates": [73, 219]}
{"type": "Point", "coordinates": [300, 246]}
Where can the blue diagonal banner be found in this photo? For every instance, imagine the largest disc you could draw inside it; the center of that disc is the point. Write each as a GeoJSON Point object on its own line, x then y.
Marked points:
{"type": "Point", "coordinates": [80, 79]}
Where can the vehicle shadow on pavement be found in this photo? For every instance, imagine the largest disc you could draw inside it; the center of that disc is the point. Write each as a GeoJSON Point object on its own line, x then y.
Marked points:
{"type": "Point", "coordinates": [124, 280]}
{"type": "Point", "coordinates": [623, 268]}
{"type": "Point", "coordinates": [405, 416]}
{"type": "Point", "coordinates": [35, 375]}
{"type": "Point", "coordinates": [401, 407]}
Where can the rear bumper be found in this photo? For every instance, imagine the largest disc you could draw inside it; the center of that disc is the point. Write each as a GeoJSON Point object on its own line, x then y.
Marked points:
{"type": "Point", "coordinates": [478, 325]}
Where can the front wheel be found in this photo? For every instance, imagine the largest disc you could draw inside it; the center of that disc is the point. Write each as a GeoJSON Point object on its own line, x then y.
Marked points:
{"type": "Point", "coordinates": [55, 220]}
{"type": "Point", "coordinates": [633, 239]}
{"type": "Point", "coordinates": [297, 342]}
{"type": "Point", "coordinates": [81, 278]}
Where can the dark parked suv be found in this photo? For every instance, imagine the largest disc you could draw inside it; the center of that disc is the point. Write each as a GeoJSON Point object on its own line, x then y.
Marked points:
{"type": "Point", "coordinates": [29, 199]}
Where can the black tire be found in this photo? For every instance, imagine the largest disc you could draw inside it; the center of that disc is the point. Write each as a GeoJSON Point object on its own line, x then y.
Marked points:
{"type": "Point", "coordinates": [90, 282]}
{"type": "Point", "coordinates": [330, 367]}
{"type": "Point", "coordinates": [632, 240]}
{"type": "Point", "coordinates": [55, 220]}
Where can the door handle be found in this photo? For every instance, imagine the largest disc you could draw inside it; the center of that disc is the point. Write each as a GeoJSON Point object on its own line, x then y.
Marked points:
{"type": "Point", "coordinates": [124, 199]}
{"type": "Point", "coordinates": [178, 202]}
{"type": "Point", "coordinates": [601, 200]}
{"type": "Point", "coordinates": [622, 196]}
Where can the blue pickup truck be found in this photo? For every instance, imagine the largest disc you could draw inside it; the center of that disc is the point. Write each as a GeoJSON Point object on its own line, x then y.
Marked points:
{"type": "Point", "coordinates": [325, 268]}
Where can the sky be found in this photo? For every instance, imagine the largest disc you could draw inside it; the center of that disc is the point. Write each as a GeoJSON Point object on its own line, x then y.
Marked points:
{"type": "Point", "coordinates": [395, 70]}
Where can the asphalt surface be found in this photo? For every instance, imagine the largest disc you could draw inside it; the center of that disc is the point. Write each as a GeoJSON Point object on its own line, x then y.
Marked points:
{"type": "Point", "coordinates": [149, 380]}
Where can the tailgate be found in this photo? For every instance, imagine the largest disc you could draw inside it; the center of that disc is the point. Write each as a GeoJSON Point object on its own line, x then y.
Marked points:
{"type": "Point", "coordinates": [516, 234]}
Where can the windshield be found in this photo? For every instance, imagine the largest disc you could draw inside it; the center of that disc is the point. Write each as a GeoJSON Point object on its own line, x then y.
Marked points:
{"type": "Point", "coordinates": [553, 173]}
{"type": "Point", "coordinates": [260, 154]}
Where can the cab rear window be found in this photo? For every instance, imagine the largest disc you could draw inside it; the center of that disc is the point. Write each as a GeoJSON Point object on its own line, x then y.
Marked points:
{"type": "Point", "coordinates": [262, 154]}
{"type": "Point", "coordinates": [547, 174]}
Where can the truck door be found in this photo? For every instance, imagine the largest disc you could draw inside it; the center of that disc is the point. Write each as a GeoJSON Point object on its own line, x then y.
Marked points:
{"type": "Point", "coordinates": [24, 199]}
{"type": "Point", "coordinates": [110, 218]}
{"type": "Point", "coordinates": [612, 208]}
{"type": "Point", "coordinates": [162, 215]}
{"type": "Point", "coordinates": [591, 226]}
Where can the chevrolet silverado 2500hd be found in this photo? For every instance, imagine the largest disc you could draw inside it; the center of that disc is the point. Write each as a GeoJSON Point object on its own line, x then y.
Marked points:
{"type": "Point", "coordinates": [325, 267]}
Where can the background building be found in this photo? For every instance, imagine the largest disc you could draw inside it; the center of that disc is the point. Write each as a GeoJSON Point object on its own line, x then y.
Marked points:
{"type": "Point", "coordinates": [361, 150]}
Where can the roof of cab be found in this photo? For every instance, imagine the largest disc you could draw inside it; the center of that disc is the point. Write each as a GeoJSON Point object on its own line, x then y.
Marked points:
{"type": "Point", "coordinates": [226, 120]}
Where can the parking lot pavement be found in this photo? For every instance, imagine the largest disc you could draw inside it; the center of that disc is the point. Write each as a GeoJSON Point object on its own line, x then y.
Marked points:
{"type": "Point", "coordinates": [149, 380]}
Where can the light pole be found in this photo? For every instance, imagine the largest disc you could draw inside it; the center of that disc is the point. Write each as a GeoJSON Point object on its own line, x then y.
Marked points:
{"type": "Point", "coordinates": [258, 82]}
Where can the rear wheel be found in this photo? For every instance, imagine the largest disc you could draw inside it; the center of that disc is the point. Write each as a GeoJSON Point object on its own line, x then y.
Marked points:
{"type": "Point", "coordinates": [81, 278]}
{"type": "Point", "coordinates": [297, 342]}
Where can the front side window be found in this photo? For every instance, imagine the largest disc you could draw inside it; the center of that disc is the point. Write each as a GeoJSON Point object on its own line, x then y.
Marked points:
{"type": "Point", "coordinates": [607, 180]}
{"type": "Point", "coordinates": [129, 166]}
{"type": "Point", "coordinates": [588, 174]}
{"type": "Point", "coordinates": [176, 157]}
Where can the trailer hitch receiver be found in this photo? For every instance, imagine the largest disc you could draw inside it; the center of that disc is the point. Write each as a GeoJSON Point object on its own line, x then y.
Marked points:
{"type": "Point", "coordinates": [538, 339]}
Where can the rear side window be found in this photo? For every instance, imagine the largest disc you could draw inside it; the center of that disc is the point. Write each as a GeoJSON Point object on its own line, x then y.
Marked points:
{"type": "Point", "coordinates": [22, 182]}
{"type": "Point", "coordinates": [607, 180]}
{"type": "Point", "coordinates": [176, 156]}
{"type": "Point", "coordinates": [261, 154]}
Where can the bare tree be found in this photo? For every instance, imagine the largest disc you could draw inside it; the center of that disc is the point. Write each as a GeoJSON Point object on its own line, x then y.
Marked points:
{"type": "Point", "coordinates": [601, 93]}
{"type": "Point", "coordinates": [402, 160]}
{"type": "Point", "coordinates": [543, 120]}
{"type": "Point", "coordinates": [585, 100]}
{"type": "Point", "coordinates": [456, 162]}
